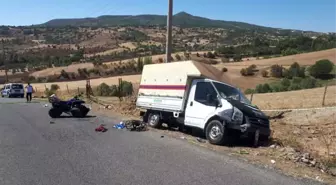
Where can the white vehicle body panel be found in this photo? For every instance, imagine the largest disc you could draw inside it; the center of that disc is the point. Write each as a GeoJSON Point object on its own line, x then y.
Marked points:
{"type": "Point", "coordinates": [166, 86]}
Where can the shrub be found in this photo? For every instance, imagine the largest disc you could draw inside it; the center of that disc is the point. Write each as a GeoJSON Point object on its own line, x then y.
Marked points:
{"type": "Point", "coordinates": [285, 82]}
{"type": "Point", "coordinates": [296, 80]}
{"type": "Point", "coordinates": [253, 66]}
{"type": "Point", "coordinates": [249, 91]}
{"type": "Point", "coordinates": [294, 71]}
{"type": "Point", "coordinates": [264, 73]}
{"type": "Point", "coordinates": [48, 92]}
{"type": "Point", "coordinates": [104, 90]}
{"type": "Point", "coordinates": [54, 87]}
{"type": "Point", "coordinates": [237, 58]}
{"type": "Point", "coordinates": [321, 68]}
{"type": "Point", "coordinates": [225, 60]}
{"type": "Point", "coordinates": [276, 71]}
{"type": "Point", "coordinates": [148, 60]}
{"type": "Point", "coordinates": [160, 60]}
{"type": "Point", "coordinates": [210, 55]}
{"type": "Point", "coordinates": [294, 87]}
{"type": "Point", "coordinates": [308, 83]}
{"type": "Point", "coordinates": [224, 69]}
{"type": "Point", "coordinates": [178, 57]}
{"type": "Point", "coordinates": [243, 71]}
{"type": "Point", "coordinates": [266, 88]}
{"type": "Point", "coordinates": [126, 88]}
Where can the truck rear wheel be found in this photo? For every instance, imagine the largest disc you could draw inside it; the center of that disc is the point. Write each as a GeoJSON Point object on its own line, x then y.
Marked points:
{"type": "Point", "coordinates": [216, 133]}
{"type": "Point", "coordinates": [154, 120]}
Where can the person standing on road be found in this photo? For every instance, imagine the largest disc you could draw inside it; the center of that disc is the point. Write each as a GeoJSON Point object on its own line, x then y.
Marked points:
{"type": "Point", "coordinates": [29, 92]}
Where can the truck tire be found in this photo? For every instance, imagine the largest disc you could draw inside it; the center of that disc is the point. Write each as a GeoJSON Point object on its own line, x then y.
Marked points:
{"type": "Point", "coordinates": [154, 120]}
{"type": "Point", "coordinates": [216, 133]}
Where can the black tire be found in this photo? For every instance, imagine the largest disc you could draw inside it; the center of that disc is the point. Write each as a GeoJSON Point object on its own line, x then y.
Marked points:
{"type": "Point", "coordinates": [154, 120]}
{"type": "Point", "coordinates": [84, 110]}
{"type": "Point", "coordinates": [216, 133]}
{"type": "Point", "coordinates": [76, 112]}
{"type": "Point", "coordinates": [55, 113]}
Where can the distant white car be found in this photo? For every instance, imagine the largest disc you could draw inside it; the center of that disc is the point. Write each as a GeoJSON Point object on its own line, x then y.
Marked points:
{"type": "Point", "coordinates": [13, 90]}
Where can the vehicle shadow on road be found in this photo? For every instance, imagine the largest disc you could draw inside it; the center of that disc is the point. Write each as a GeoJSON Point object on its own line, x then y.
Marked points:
{"type": "Point", "coordinates": [67, 116]}
{"type": "Point", "coordinates": [233, 141]}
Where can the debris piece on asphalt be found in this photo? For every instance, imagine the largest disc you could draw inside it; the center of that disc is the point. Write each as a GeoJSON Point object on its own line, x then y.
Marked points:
{"type": "Point", "coordinates": [51, 122]}
{"type": "Point", "coordinates": [120, 125]}
{"type": "Point", "coordinates": [182, 137]}
{"type": "Point", "coordinates": [101, 128]}
{"type": "Point", "coordinates": [135, 125]}
{"type": "Point", "coordinates": [243, 152]}
{"type": "Point", "coordinates": [200, 140]}
{"type": "Point", "coordinates": [272, 161]}
{"type": "Point", "coordinates": [162, 136]}
{"type": "Point", "coordinates": [46, 105]}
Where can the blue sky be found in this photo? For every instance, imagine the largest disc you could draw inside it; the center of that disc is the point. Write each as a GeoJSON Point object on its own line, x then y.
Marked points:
{"type": "Point", "coordinates": [316, 15]}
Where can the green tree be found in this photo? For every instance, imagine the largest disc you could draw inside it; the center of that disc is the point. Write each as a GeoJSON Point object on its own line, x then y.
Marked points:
{"type": "Point", "coordinates": [321, 68]}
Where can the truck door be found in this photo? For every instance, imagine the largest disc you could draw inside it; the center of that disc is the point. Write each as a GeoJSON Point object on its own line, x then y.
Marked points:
{"type": "Point", "coordinates": [198, 107]}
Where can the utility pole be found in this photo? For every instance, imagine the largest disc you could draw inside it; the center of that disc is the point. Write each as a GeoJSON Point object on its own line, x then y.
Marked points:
{"type": "Point", "coordinates": [4, 58]}
{"type": "Point", "coordinates": [169, 31]}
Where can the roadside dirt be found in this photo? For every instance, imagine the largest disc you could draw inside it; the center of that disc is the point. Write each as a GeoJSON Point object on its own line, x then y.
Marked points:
{"type": "Point", "coordinates": [302, 144]}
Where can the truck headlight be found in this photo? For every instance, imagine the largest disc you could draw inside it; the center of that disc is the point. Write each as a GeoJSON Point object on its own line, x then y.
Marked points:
{"type": "Point", "coordinates": [237, 116]}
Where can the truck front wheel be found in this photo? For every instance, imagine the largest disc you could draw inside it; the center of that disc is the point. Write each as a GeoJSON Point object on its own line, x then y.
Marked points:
{"type": "Point", "coordinates": [154, 120]}
{"type": "Point", "coordinates": [216, 133]}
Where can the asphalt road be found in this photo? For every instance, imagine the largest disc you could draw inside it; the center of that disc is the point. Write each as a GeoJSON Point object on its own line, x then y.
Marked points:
{"type": "Point", "coordinates": [35, 152]}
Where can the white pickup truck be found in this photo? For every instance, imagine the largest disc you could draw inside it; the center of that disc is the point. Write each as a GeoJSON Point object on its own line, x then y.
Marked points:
{"type": "Point", "coordinates": [197, 95]}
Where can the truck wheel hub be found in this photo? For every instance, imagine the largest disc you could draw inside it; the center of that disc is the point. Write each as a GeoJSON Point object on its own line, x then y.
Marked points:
{"type": "Point", "coordinates": [153, 119]}
{"type": "Point", "coordinates": [215, 132]}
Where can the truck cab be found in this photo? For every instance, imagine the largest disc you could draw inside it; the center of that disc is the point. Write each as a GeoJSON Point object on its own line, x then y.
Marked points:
{"type": "Point", "coordinates": [219, 108]}
{"type": "Point", "coordinates": [196, 95]}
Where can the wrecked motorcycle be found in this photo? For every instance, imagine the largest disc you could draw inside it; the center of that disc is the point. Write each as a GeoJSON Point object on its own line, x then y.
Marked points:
{"type": "Point", "coordinates": [74, 107]}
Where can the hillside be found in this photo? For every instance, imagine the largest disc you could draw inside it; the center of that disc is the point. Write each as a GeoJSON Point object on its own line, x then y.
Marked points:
{"type": "Point", "coordinates": [181, 19]}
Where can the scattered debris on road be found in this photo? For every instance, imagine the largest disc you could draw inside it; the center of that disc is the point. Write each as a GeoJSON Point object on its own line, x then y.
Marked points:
{"type": "Point", "coordinates": [135, 125]}
{"type": "Point", "coordinates": [162, 136]}
{"type": "Point", "coordinates": [52, 122]}
{"type": "Point", "coordinates": [101, 128]}
{"type": "Point", "coordinates": [120, 125]}
{"type": "Point", "coordinates": [200, 140]}
{"type": "Point", "coordinates": [272, 161]}
{"type": "Point", "coordinates": [243, 152]}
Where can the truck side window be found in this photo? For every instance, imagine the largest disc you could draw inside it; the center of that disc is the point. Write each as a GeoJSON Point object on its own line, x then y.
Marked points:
{"type": "Point", "coordinates": [202, 90]}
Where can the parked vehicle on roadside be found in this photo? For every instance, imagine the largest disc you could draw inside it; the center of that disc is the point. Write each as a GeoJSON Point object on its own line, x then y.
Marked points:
{"type": "Point", "coordinates": [74, 107]}
{"type": "Point", "coordinates": [13, 90]}
{"type": "Point", "coordinates": [197, 95]}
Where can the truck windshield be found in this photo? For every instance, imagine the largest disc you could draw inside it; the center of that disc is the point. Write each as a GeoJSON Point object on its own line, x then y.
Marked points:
{"type": "Point", "coordinates": [17, 86]}
{"type": "Point", "coordinates": [227, 91]}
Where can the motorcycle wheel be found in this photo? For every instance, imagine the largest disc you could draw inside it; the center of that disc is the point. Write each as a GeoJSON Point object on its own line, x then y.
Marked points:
{"type": "Point", "coordinates": [84, 110]}
{"type": "Point", "coordinates": [76, 112]}
{"type": "Point", "coordinates": [54, 113]}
